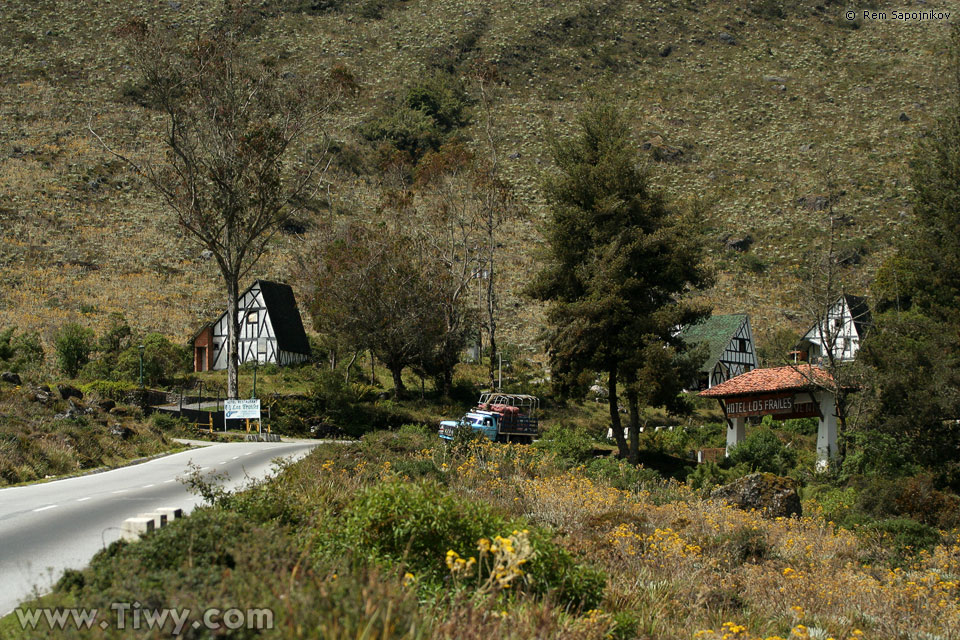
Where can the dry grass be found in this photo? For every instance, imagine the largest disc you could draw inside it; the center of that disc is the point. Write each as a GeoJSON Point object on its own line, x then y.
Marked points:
{"type": "Point", "coordinates": [762, 125]}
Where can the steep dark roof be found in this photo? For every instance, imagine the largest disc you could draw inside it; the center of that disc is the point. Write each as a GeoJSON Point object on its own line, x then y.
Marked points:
{"type": "Point", "coordinates": [862, 320]}
{"type": "Point", "coordinates": [284, 316]}
{"type": "Point", "coordinates": [716, 331]}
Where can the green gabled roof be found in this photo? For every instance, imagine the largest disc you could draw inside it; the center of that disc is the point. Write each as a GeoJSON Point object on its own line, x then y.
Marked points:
{"type": "Point", "coordinates": [716, 331]}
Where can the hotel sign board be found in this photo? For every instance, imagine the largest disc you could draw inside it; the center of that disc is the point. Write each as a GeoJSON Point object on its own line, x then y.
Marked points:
{"type": "Point", "coordinates": [782, 406]}
{"type": "Point", "coordinates": [241, 409]}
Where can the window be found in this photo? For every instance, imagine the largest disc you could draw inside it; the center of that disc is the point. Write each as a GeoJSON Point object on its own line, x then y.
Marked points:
{"type": "Point", "coordinates": [252, 317]}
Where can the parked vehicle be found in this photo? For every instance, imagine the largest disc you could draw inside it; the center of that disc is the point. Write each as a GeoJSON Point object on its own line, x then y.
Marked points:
{"type": "Point", "coordinates": [500, 417]}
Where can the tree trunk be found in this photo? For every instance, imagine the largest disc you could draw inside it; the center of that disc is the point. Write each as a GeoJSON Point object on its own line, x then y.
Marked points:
{"type": "Point", "coordinates": [615, 424]}
{"type": "Point", "coordinates": [491, 314]}
{"type": "Point", "coordinates": [346, 376]}
{"type": "Point", "coordinates": [633, 400]}
{"type": "Point", "coordinates": [398, 389]}
{"type": "Point", "coordinates": [233, 328]}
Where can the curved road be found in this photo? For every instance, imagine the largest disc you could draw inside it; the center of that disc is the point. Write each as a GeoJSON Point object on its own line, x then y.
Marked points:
{"type": "Point", "coordinates": [46, 528]}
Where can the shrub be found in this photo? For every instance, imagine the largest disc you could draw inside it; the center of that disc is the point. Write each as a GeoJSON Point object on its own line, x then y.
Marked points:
{"type": "Point", "coordinates": [570, 444]}
{"type": "Point", "coordinates": [619, 473]}
{"type": "Point", "coordinates": [762, 450]}
{"type": "Point", "coordinates": [907, 536]}
{"type": "Point", "coordinates": [20, 352]}
{"type": "Point", "coordinates": [413, 524]}
{"type": "Point", "coordinates": [162, 361]}
{"type": "Point", "coordinates": [73, 344]}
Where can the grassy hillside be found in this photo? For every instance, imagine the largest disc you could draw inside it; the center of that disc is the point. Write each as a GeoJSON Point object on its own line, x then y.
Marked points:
{"type": "Point", "coordinates": [746, 111]}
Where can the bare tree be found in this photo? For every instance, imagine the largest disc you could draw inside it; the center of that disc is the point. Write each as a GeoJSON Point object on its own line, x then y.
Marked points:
{"type": "Point", "coordinates": [825, 283]}
{"type": "Point", "coordinates": [240, 141]}
{"type": "Point", "coordinates": [496, 206]}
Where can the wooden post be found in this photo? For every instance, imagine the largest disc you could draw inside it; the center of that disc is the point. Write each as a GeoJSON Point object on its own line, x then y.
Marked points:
{"type": "Point", "coordinates": [248, 425]}
{"type": "Point", "coordinates": [211, 423]}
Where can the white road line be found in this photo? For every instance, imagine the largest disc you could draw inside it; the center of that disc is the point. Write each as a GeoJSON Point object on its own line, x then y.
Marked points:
{"type": "Point", "coordinates": [147, 486]}
{"type": "Point", "coordinates": [203, 468]}
{"type": "Point", "coordinates": [248, 454]}
{"type": "Point", "coordinates": [235, 457]}
{"type": "Point", "coordinates": [83, 499]}
{"type": "Point", "coordinates": [49, 506]}
{"type": "Point", "coordinates": [170, 480]}
{"type": "Point", "coordinates": [224, 462]}
{"type": "Point", "coordinates": [120, 491]}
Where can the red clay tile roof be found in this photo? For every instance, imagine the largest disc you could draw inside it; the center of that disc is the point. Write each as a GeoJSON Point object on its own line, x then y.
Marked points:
{"type": "Point", "coordinates": [790, 378]}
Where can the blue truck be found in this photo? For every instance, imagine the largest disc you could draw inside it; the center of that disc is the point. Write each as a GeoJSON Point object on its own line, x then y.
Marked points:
{"type": "Point", "coordinates": [500, 417]}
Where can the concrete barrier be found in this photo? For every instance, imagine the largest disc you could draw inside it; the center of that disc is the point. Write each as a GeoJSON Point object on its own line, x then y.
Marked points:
{"type": "Point", "coordinates": [159, 519]}
{"type": "Point", "coordinates": [146, 522]}
{"type": "Point", "coordinates": [133, 528]}
{"type": "Point", "coordinates": [262, 437]}
{"type": "Point", "coordinates": [172, 513]}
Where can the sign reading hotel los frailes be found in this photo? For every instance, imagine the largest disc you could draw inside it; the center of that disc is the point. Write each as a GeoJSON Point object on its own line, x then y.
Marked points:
{"type": "Point", "coordinates": [784, 405]}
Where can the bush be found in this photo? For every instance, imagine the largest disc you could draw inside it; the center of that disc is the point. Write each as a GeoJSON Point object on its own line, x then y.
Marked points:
{"type": "Point", "coordinates": [762, 450]}
{"type": "Point", "coordinates": [413, 524]}
{"type": "Point", "coordinates": [570, 444]}
{"type": "Point", "coordinates": [162, 361]}
{"type": "Point", "coordinates": [20, 352]}
{"type": "Point", "coordinates": [907, 536]}
{"type": "Point", "coordinates": [619, 473]}
{"type": "Point", "coordinates": [73, 344]}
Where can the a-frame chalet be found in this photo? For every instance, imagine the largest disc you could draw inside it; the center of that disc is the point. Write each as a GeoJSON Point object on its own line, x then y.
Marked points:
{"type": "Point", "coordinates": [270, 330]}
{"type": "Point", "coordinates": [730, 348]}
{"type": "Point", "coordinates": [841, 331]}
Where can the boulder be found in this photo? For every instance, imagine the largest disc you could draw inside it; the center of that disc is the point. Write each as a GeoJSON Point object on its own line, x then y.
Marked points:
{"type": "Point", "coordinates": [12, 378]}
{"type": "Point", "coordinates": [726, 38]}
{"type": "Point", "coordinates": [773, 496]}
{"type": "Point", "coordinates": [106, 404]}
{"type": "Point", "coordinates": [739, 243]}
{"type": "Point", "coordinates": [66, 391]}
{"type": "Point", "coordinates": [121, 431]}
{"type": "Point", "coordinates": [41, 394]}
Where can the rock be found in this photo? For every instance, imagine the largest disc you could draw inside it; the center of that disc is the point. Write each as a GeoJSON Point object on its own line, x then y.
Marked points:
{"type": "Point", "coordinates": [774, 79]}
{"type": "Point", "coordinates": [66, 391]}
{"type": "Point", "coordinates": [904, 117]}
{"type": "Point", "coordinates": [667, 50]}
{"type": "Point", "coordinates": [11, 377]}
{"type": "Point", "coordinates": [206, 254]}
{"type": "Point", "coordinates": [806, 147]}
{"type": "Point", "coordinates": [773, 496]}
{"type": "Point", "coordinates": [666, 153]}
{"type": "Point", "coordinates": [41, 394]}
{"type": "Point", "coordinates": [106, 405]}
{"type": "Point", "coordinates": [514, 156]}
{"type": "Point", "coordinates": [741, 243]}
{"type": "Point", "coordinates": [121, 431]}
{"type": "Point", "coordinates": [726, 38]}
{"type": "Point", "coordinates": [814, 203]}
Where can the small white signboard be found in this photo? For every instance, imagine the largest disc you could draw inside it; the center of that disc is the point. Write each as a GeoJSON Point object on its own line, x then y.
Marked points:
{"type": "Point", "coordinates": [240, 409]}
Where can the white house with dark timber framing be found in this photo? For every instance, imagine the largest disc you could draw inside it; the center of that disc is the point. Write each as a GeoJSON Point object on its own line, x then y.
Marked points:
{"type": "Point", "coordinates": [270, 330]}
{"type": "Point", "coordinates": [841, 331]}
{"type": "Point", "coordinates": [730, 350]}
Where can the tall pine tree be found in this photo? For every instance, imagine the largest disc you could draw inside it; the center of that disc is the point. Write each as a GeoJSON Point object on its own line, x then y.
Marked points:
{"type": "Point", "coordinates": [619, 260]}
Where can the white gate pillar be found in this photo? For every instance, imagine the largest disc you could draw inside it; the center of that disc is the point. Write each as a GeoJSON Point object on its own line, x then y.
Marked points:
{"type": "Point", "coordinates": [827, 431]}
{"type": "Point", "coordinates": [736, 432]}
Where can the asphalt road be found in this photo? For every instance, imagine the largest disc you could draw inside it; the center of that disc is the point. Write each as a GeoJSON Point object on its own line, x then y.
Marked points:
{"type": "Point", "coordinates": [46, 528]}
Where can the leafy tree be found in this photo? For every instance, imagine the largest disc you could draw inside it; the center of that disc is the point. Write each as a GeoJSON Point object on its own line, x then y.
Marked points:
{"type": "Point", "coordinates": [913, 373]}
{"type": "Point", "coordinates": [73, 344]}
{"type": "Point", "coordinates": [375, 291]}
{"type": "Point", "coordinates": [162, 361]}
{"type": "Point", "coordinates": [914, 388]}
{"type": "Point", "coordinates": [241, 157]}
{"type": "Point", "coordinates": [617, 262]}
